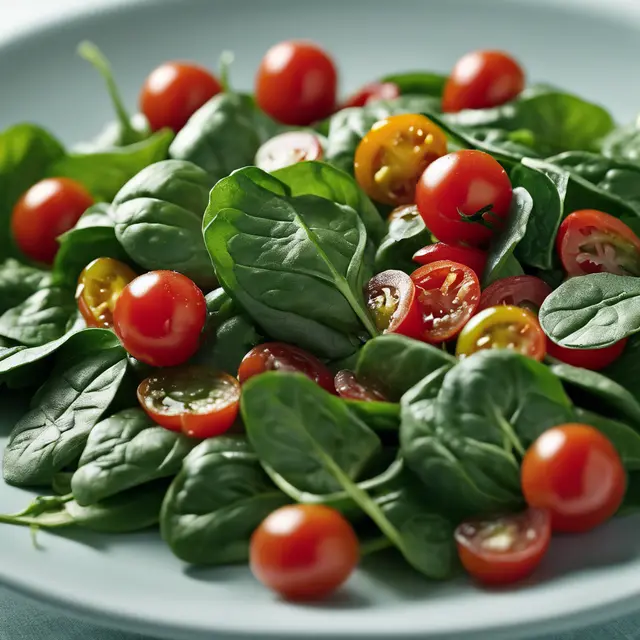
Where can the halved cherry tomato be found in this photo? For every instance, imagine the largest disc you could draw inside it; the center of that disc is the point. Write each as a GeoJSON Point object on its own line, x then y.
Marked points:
{"type": "Point", "coordinates": [503, 327]}
{"type": "Point", "coordinates": [391, 298]}
{"type": "Point", "coordinates": [304, 551]}
{"type": "Point", "coordinates": [99, 287]}
{"type": "Point", "coordinates": [199, 401]}
{"type": "Point", "coordinates": [159, 317]}
{"type": "Point", "coordinates": [464, 197]}
{"type": "Point", "coordinates": [297, 83]}
{"type": "Point", "coordinates": [574, 471]}
{"type": "Point", "coordinates": [482, 79]}
{"type": "Point", "coordinates": [448, 293]}
{"type": "Point", "coordinates": [594, 359]}
{"type": "Point", "coordinates": [372, 92]}
{"type": "Point", "coordinates": [173, 92]}
{"type": "Point", "coordinates": [391, 158]}
{"type": "Point", "coordinates": [506, 549]}
{"type": "Point", "coordinates": [278, 356]}
{"type": "Point", "coordinates": [46, 211]}
{"type": "Point", "coordinates": [476, 259]}
{"type": "Point", "coordinates": [591, 241]}
{"type": "Point", "coordinates": [527, 292]}
{"type": "Point", "coordinates": [287, 149]}
{"type": "Point", "coordinates": [348, 386]}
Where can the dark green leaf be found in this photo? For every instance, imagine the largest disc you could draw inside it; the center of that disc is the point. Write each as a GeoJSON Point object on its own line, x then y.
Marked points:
{"type": "Point", "coordinates": [626, 369]}
{"type": "Point", "coordinates": [623, 144]}
{"type": "Point", "coordinates": [19, 281]}
{"type": "Point", "coordinates": [418, 83]}
{"type": "Point", "coordinates": [381, 417]}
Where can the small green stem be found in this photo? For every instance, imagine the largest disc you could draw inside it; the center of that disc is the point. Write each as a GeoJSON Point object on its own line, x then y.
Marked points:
{"type": "Point", "coordinates": [509, 433]}
{"type": "Point", "coordinates": [374, 546]}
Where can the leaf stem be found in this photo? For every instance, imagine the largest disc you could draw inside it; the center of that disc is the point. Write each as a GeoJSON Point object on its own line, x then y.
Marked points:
{"type": "Point", "coordinates": [510, 435]}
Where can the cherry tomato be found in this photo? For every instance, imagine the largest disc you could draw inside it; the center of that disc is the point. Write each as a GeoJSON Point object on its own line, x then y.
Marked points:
{"type": "Point", "coordinates": [199, 401]}
{"type": "Point", "coordinates": [591, 241]}
{"type": "Point", "coordinates": [173, 92]}
{"type": "Point", "coordinates": [482, 79]}
{"type": "Point", "coordinates": [159, 317]}
{"type": "Point", "coordinates": [348, 386]}
{"type": "Point", "coordinates": [304, 551]}
{"type": "Point", "coordinates": [99, 287]}
{"type": "Point", "coordinates": [527, 292]}
{"type": "Point", "coordinates": [448, 293]}
{"type": "Point", "coordinates": [504, 550]}
{"type": "Point", "coordinates": [391, 158]}
{"type": "Point", "coordinates": [371, 93]}
{"type": "Point", "coordinates": [287, 149]}
{"type": "Point", "coordinates": [503, 327]}
{"type": "Point", "coordinates": [297, 83]}
{"type": "Point", "coordinates": [464, 197]}
{"type": "Point", "coordinates": [46, 211]}
{"type": "Point", "coordinates": [574, 471]}
{"type": "Point", "coordinates": [278, 356]}
{"type": "Point", "coordinates": [473, 258]}
{"type": "Point", "coordinates": [391, 298]}
{"type": "Point", "coordinates": [594, 359]}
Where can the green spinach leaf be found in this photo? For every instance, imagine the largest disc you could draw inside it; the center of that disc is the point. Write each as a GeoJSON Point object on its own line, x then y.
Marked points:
{"type": "Point", "coordinates": [623, 144]}
{"type": "Point", "coordinates": [18, 282]}
{"type": "Point", "coordinates": [626, 369]}
{"type": "Point", "coordinates": [416, 83]}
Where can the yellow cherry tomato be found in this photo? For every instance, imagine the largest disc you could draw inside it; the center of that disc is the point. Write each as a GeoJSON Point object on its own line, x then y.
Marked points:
{"type": "Point", "coordinates": [391, 158]}
{"type": "Point", "coordinates": [99, 287]}
{"type": "Point", "coordinates": [503, 327]}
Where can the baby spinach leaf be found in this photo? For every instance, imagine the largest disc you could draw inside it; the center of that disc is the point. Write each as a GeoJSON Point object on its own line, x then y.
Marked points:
{"type": "Point", "coordinates": [623, 144]}
{"type": "Point", "coordinates": [596, 310]}
{"type": "Point", "coordinates": [415, 83]}
{"type": "Point", "coordinates": [381, 417]}
{"type": "Point", "coordinates": [126, 450]}
{"type": "Point", "coordinates": [19, 281]}
{"type": "Point", "coordinates": [510, 267]}
{"type": "Point", "coordinates": [158, 218]}
{"type": "Point", "coordinates": [216, 502]}
{"type": "Point", "coordinates": [625, 370]}
{"type": "Point", "coordinates": [297, 265]}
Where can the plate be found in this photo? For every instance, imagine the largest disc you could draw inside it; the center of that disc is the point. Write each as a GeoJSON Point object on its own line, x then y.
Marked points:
{"type": "Point", "coordinates": [133, 582]}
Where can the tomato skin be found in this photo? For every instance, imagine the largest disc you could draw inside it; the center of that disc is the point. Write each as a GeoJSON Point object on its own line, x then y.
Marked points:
{"type": "Point", "coordinates": [159, 318]}
{"type": "Point", "coordinates": [288, 148]}
{"type": "Point", "coordinates": [279, 356]}
{"type": "Point", "coordinates": [448, 294]}
{"type": "Point", "coordinates": [304, 552]}
{"type": "Point", "coordinates": [574, 471]}
{"type": "Point", "coordinates": [473, 258]}
{"type": "Point", "coordinates": [173, 92]}
{"type": "Point", "coordinates": [593, 359]}
{"type": "Point", "coordinates": [297, 83]}
{"type": "Point", "coordinates": [483, 79]}
{"type": "Point", "coordinates": [457, 186]}
{"type": "Point", "coordinates": [617, 247]}
{"type": "Point", "coordinates": [527, 292]}
{"type": "Point", "coordinates": [44, 212]}
{"type": "Point", "coordinates": [495, 565]}
{"type": "Point", "coordinates": [349, 387]}
{"type": "Point", "coordinates": [372, 92]}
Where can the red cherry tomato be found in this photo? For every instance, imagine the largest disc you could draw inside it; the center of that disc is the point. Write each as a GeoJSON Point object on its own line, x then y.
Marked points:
{"type": "Point", "coordinates": [372, 93]}
{"type": "Point", "coordinates": [473, 258]}
{"type": "Point", "coordinates": [527, 292]}
{"type": "Point", "coordinates": [46, 211]}
{"type": "Point", "coordinates": [297, 83]}
{"type": "Point", "coordinates": [391, 298]}
{"type": "Point", "coordinates": [504, 550]}
{"type": "Point", "coordinates": [304, 552]}
{"type": "Point", "coordinates": [464, 197]}
{"type": "Point", "coordinates": [482, 79]}
{"type": "Point", "coordinates": [448, 293]}
{"type": "Point", "coordinates": [287, 149]}
{"type": "Point", "coordinates": [199, 401]}
{"type": "Point", "coordinates": [278, 356]}
{"type": "Point", "coordinates": [173, 92]}
{"type": "Point", "coordinates": [159, 317]}
{"type": "Point", "coordinates": [349, 387]}
{"type": "Point", "coordinates": [594, 359]}
{"type": "Point", "coordinates": [575, 472]}
{"type": "Point", "coordinates": [591, 241]}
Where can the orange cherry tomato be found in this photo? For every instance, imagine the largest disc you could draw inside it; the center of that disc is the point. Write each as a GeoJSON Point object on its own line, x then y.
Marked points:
{"type": "Point", "coordinates": [391, 158]}
{"type": "Point", "coordinates": [593, 359]}
{"type": "Point", "coordinates": [349, 387]}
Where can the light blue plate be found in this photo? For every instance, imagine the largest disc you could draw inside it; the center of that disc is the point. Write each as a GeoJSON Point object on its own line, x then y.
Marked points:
{"type": "Point", "coordinates": [134, 582]}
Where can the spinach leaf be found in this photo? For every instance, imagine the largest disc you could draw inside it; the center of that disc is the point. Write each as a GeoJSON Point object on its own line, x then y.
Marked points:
{"type": "Point", "coordinates": [19, 281]}
{"type": "Point", "coordinates": [406, 362]}
{"type": "Point", "coordinates": [216, 502]}
{"type": "Point", "coordinates": [158, 218]}
{"type": "Point", "coordinates": [223, 135]}
{"type": "Point", "coordinates": [53, 434]}
{"type": "Point", "coordinates": [623, 144]}
{"type": "Point", "coordinates": [297, 265]}
{"type": "Point", "coordinates": [381, 417]}
{"type": "Point", "coordinates": [506, 241]}
{"type": "Point", "coordinates": [124, 451]}
{"type": "Point", "coordinates": [626, 369]}
{"type": "Point", "coordinates": [596, 310]}
{"type": "Point", "coordinates": [418, 83]}
{"type": "Point", "coordinates": [510, 267]}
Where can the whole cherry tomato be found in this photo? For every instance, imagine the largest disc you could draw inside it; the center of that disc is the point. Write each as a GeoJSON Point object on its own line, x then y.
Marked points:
{"type": "Point", "coordinates": [287, 149]}
{"type": "Point", "coordinates": [473, 258]}
{"type": "Point", "coordinates": [349, 387]}
{"type": "Point", "coordinates": [372, 92]}
{"type": "Point", "coordinates": [527, 292]}
{"type": "Point", "coordinates": [594, 359]}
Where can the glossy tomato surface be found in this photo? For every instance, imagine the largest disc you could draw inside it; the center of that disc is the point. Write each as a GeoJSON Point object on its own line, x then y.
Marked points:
{"type": "Point", "coordinates": [371, 93]}
{"type": "Point", "coordinates": [476, 259]}
{"type": "Point", "coordinates": [288, 148]}
{"type": "Point", "coordinates": [349, 387]}
{"type": "Point", "coordinates": [527, 292]}
{"type": "Point", "coordinates": [593, 359]}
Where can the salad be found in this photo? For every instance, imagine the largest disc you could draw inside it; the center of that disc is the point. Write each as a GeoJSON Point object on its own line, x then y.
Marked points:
{"type": "Point", "coordinates": [293, 331]}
